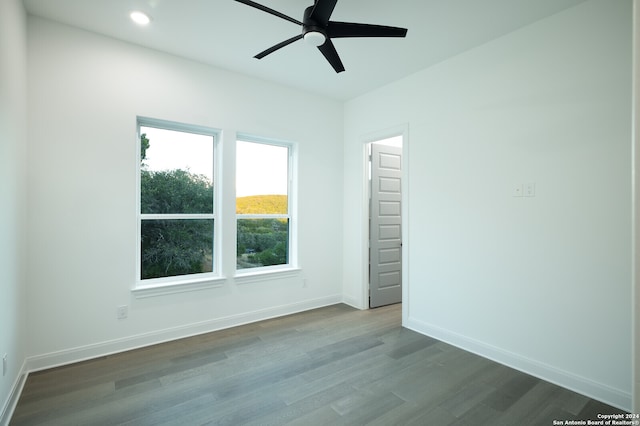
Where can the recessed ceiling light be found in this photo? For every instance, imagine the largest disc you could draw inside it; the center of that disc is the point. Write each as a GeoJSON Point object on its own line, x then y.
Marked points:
{"type": "Point", "coordinates": [140, 18]}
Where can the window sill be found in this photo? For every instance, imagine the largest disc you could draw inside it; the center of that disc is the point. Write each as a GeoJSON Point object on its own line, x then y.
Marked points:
{"type": "Point", "coordinates": [251, 277]}
{"type": "Point", "coordinates": [163, 289]}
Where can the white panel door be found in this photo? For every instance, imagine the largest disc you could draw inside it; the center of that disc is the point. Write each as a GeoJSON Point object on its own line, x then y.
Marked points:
{"type": "Point", "coordinates": [385, 232]}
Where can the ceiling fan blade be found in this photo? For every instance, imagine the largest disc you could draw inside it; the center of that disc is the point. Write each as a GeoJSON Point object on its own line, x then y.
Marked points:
{"type": "Point", "coordinates": [329, 51]}
{"type": "Point", "coordinates": [351, 29]}
{"type": "Point", "coordinates": [322, 11]}
{"type": "Point", "coordinates": [268, 10]}
{"type": "Point", "coordinates": [278, 46]}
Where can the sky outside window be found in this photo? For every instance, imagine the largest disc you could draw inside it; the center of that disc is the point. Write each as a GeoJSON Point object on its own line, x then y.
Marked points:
{"type": "Point", "coordinates": [261, 169]}
{"type": "Point", "coordinates": [170, 150]}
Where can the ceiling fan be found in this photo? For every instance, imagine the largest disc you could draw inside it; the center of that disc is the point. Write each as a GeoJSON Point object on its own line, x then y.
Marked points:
{"type": "Point", "coordinates": [318, 30]}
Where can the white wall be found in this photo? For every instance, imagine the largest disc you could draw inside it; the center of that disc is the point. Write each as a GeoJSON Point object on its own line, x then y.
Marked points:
{"type": "Point", "coordinates": [541, 283]}
{"type": "Point", "coordinates": [636, 206]}
{"type": "Point", "coordinates": [13, 136]}
{"type": "Point", "coordinates": [85, 93]}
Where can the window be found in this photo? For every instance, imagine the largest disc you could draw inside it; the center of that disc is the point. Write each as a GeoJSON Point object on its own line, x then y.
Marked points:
{"type": "Point", "coordinates": [180, 217]}
{"type": "Point", "coordinates": [263, 205]}
{"type": "Point", "coordinates": [176, 195]}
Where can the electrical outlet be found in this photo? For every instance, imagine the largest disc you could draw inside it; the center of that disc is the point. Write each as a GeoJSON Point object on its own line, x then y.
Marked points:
{"type": "Point", "coordinates": [122, 312]}
{"type": "Point", "coordinates": [4, 365]}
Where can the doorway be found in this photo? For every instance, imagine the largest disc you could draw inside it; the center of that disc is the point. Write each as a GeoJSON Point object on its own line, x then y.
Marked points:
{"type": "Point", "coordinates": [385, 221]}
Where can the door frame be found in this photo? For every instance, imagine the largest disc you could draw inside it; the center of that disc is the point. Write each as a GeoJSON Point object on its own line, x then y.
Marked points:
{"type": "Point", "coordinates": [403, 131]}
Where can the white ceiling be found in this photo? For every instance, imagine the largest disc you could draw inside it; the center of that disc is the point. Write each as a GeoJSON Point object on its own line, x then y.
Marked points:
{"type": "Point", "coordinates": [227, 34]}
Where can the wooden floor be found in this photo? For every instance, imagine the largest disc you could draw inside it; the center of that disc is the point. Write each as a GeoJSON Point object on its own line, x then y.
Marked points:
{"type": "Point", "coordinates": [330, 366]}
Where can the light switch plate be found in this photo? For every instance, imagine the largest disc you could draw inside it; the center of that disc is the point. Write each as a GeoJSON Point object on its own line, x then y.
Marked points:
{"type": "Point", "coordinates": [530, 189]}
{"type": "Point", "coordinates": [517, 190]}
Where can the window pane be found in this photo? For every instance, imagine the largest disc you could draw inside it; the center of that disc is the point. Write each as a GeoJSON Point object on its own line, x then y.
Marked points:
{"type": "Point", "coordinates": [262, 242]}
{"type": "Point", "coordinates": [176, 172]}
{"type": "Point", "coordinates": [261, 178]}
{"type": "Point", "coordinates": [171, 247]}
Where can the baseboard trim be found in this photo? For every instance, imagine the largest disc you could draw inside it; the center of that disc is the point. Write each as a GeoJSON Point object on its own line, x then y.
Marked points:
{"type": "Point", "coordinates": [353, 303]}
{"type": "Point", "coordinates": [582, 385]}
{"type": "Point", "coordinates": [69, 356]}
{"type": "Point", "coordinates": [14, 396]}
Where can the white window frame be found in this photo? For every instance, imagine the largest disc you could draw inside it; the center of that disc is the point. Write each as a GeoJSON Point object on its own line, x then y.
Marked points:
{"type": "Point", "coordinates": [264, 272]}
{"type": "Point", "coordinates": [168, 285]}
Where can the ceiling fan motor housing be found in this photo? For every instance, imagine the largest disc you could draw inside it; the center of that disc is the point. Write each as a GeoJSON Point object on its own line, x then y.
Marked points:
{"type": "Point", "coordinates": [309, 25]}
